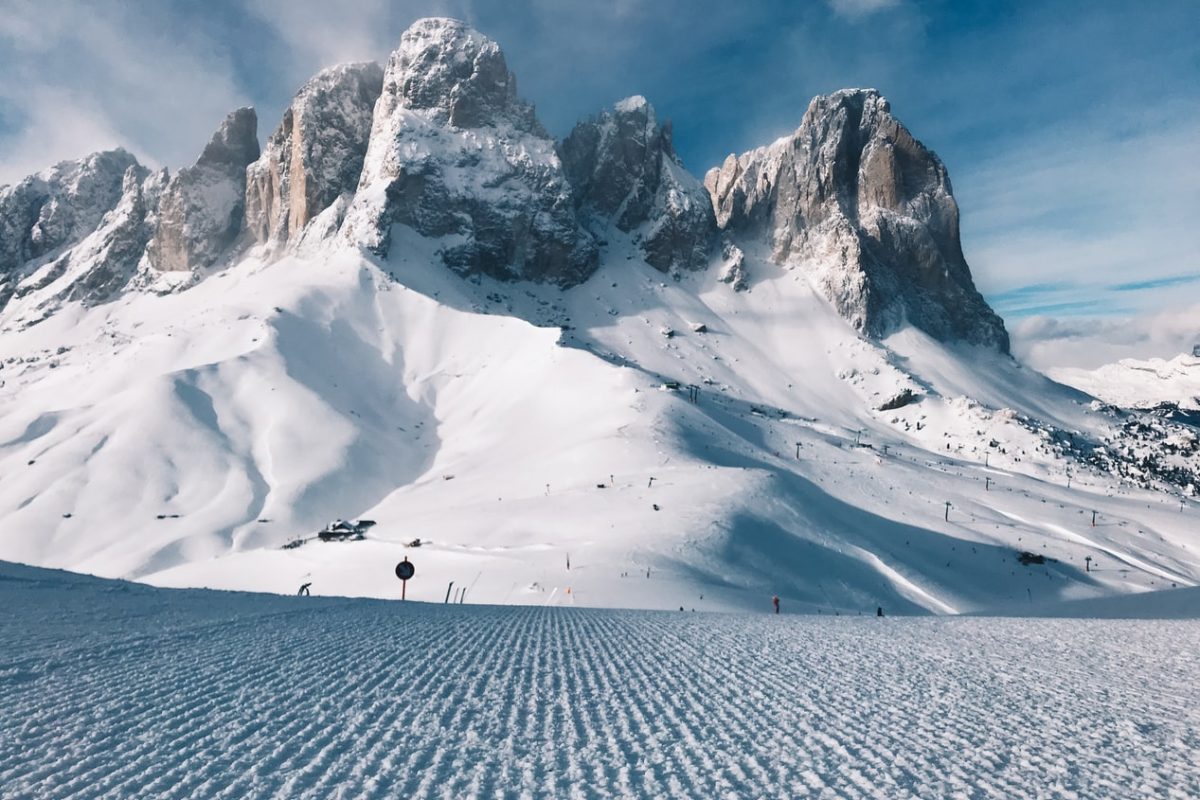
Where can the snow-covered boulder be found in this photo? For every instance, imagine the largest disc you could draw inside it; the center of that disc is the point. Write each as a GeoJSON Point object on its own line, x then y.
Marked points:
{"type": "Point", "coordinates": [869, 210]}
{"type": "Point", "coordinates": [315, 155]}
{"type": "Point", "coordinates": [624, 172]}
{"type": "Point", "coordinates": [201, 211]}
{"type": "Point", "coordinates": [456, 155]}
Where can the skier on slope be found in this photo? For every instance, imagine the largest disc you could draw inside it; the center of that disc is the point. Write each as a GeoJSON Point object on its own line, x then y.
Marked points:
{"type": "Point", "coordinates": [775, 600]}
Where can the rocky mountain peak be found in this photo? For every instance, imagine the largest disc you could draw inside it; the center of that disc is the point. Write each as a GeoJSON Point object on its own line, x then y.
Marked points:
{"type": "Point", "coordinates": [446, 67]}
{"type": "Point", "coordinates": [58, 205]}
{"type": "Point", "coordinates": [235, 142]}
{"type": "Point", "coordinates": [200, 212]}
{"type": "Point", "coordinates": [455, 154]}
{"type": "Point", "coordinates": [624, 171]}
{"type": "Point", "coordinates": [315, 155]}
{"type": "Point", "coordinates": [852, 197]}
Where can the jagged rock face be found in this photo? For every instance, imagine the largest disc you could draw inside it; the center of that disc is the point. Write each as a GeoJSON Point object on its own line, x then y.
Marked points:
{"type": "Point", "coordinates": [316, 154]}
{"type": "Point", "coordinates": [45, 214]}
{"type": "Point", "coordinates": [853, 195]}
{"type": "Point", "coordinates": [457, 75]}
{"type": "Point", "coordinates": [455, 154]}
{"type": "Point", "coordinates": [201, 210]}
{"type": "Point", "coordinates": [624, 171]}
{"type": "Point", "coordinates": [113, 252]}
{"type": "Point", "coordinates": [59, 205]}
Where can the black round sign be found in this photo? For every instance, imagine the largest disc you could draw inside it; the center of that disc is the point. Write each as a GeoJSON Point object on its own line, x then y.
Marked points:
{"type": "Point", "coordinates": [405, 570]}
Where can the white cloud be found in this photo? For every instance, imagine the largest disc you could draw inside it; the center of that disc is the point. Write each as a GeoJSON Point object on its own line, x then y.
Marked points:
{"type": "Point", "coordinates": [82, 76]}
{"type": "Point", "coordinates": [318, 34]}
{"type": "Point", "coordinates": [1094, 204]}
{"type": "Point", "coordinates": [860, 8]}
{"type": "Point", "coordinates": [1088, 342]}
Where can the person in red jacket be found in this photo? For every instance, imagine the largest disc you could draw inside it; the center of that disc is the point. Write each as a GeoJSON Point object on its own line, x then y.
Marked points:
{"type": "Point", "coordinates": [775, 600]}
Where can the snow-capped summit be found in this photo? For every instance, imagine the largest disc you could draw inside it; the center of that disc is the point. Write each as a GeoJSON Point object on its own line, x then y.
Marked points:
{"type": "Point", "coordinates": [446, 67]}
{"type": "Point", "coordinates": [1132, 383]}
{"type": "Point", "coordinates": [456, 156]}
{"type": "Point", "coordinates": [624, 171]}
{"type": "Point", "coordinates": [865, 208]}
{"type": "Point", "coordinates": [315, 155]}
{"type": "Point", "coordinates": [73, 232]}
{"type": "Point", "coordinates": [201, 209]}
{"type": "Point", "coordinates": [254, 373]}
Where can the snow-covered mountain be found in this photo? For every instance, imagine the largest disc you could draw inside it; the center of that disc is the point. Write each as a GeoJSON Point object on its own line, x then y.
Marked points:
{"type": "Point", "coordinates": [569, 369]}
{"type": "Point", "coordinates": [1131, 383]}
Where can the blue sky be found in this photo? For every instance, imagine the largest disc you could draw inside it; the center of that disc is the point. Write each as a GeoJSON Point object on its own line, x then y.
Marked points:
{"type": "Point", "coordinates": [1070, 129]}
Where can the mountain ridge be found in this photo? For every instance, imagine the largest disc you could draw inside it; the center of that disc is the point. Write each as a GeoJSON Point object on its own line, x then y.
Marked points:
{"type": "Point", "coordinates": [446, 110]}
{"type": "Point", "coordinates": [524, 353]}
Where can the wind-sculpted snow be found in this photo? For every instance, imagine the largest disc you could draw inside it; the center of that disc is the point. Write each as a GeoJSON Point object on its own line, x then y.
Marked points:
{"type": "Point", "coordinates": [114, 690]}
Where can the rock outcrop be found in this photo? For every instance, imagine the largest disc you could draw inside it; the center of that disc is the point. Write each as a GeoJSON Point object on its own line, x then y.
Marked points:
{"type": "Point", "coordinates": [624, 171]}
{"type": "Point", "coordinates": [110, 256]}
{"type": "Point", "coordinates": [440, 146]}
{"type": "Point", "coordinates": [45, 214]}
{"type": "Point", "coordinates": [853, 197]}
{"type": "Point", "coordinates": [315, 155]}
{"type": "Point", "coordinates": [201, 211]}
{"type": "Point", "coordinates": [456, 155]}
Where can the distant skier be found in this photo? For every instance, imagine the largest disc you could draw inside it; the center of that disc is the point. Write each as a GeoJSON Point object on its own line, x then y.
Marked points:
{"type": "Point", "coordinates": [879, 611]}
{"type": "Point", "coordinates": [775, 600]}
{"type": "Point", "coordinates": [303, 590]}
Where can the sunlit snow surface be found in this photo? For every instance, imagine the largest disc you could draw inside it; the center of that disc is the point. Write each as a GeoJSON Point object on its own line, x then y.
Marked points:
{"type": "Point", "coordinates": [118, 690]}
{"type": "Point", "coordinates": [183, 440]}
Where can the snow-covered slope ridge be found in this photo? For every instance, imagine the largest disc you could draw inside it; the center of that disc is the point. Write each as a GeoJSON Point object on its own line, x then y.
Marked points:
{"type": "Point", "coordinates": [634, 439]}
{"type": "Point", "coordinates": [1131, 383]}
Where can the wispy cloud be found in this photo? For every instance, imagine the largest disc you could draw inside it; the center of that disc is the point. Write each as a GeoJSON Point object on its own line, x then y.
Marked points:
{"type": "Point", "coordinates": [1113, 210]}
{"type": "Point", "coordinates": [860, 8]}
{"type": "Point", "coordinates": [1157, 283]}
{"type": "Point", "coordinates": [1046, 342]}
{"type": "Point", "coordinates": [85, 75]}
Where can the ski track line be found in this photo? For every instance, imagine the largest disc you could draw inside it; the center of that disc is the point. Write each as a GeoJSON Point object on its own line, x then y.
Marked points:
{"type": "Point", "coordinates": [308, 698]}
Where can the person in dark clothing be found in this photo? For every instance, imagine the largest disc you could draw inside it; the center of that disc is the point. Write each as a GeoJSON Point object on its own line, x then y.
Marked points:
{"type": "Point", "coordinates": [879, 611]}
{"type": "Point", "coordinates": [303, 590]}
{"type": "Point", "coordinates": [775, 600]}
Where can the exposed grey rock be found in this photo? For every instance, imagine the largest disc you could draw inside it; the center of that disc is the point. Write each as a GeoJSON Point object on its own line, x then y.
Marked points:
{"type": "Point", "coordinates": [316, 153]}
{"type": "Point", "coordinates": [899, 400]}
{"type": "Point", "coordinates": [201, 210]}
{"type": "Point", "coordinates": [112, 253]}
{"type": "Point", "coordinates": [734, 269]}
{"type": "Point", "coordinates": [624, 171]}
{"type": "Point", "coordinates": [456, 154]}
{"type": "Point", "coordinates": [457, 76]}
{"type": "Point", "coordinates": [869, 209]}
{"type": "Point", "coordinates": [45, 214]}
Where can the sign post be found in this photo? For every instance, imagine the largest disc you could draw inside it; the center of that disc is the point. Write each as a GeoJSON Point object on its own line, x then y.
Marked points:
{"type": "Point", "coordinates": [404, 571]}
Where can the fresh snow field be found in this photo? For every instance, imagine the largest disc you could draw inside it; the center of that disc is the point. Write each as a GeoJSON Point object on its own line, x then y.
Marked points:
{"type": "Point", "coordinates": [111, 689]}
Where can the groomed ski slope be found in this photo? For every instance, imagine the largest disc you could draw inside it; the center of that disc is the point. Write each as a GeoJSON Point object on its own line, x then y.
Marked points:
{"type": "Point", "coordinates": [111, 689]}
